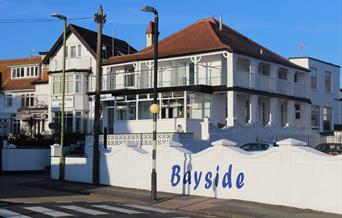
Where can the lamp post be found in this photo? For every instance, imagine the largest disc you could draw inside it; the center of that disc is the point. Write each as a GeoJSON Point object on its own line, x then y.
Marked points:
{"type": "Point", "coordinates": [154, 108]}
{"type": "Point", "coordinates": [61, 154]}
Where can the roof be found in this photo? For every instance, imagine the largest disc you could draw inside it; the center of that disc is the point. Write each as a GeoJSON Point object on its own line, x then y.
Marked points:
{"type": "Point", "coordinates": [315, 59]}
{"type": "Point", "coordinates": [205, 36]}
{"type": "Point", "coordinates": [18, 84]}
{"type": "Point", "coordinates": [89, 40]}
{"type": "Point", "coordinates": [43, 79]}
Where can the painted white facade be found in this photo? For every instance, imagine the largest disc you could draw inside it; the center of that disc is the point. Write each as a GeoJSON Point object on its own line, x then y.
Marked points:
{"type": "Point", "coordinates": [290, 175]}
{"type": "Point", "coordinates": [324, 94]}
{"type": "Point", "coordinates": [79, 69]}
{"type": "Point", "coordinates": [279, 102]}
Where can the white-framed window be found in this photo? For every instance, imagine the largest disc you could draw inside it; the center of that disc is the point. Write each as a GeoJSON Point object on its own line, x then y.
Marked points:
{"type": "Point", "coordinates": [56, 84]}
{"type": "Point", "coordinates": [129, 76]}
{"type": "Point", "coordinates": [314, 79]}
{"type": "Point", "coordinates": [78, 83]}
{"type": "Point", "coordinates": [79, 49]}
{"type": "Point", "coordinates": [14, 73]}
{"type": "Point", "coordinates": [78, 121]}
{"type": "Point", "coordinates": [327, 118]}
{"type": "Point", "coordinates": [315, 116]}
{"type": "Point", "coordinates": [327, 81]}
{"type": "Point", "coordinates": [297, 111]}
{"type": "Point", "coordinates": [282, 73]}
{"type": "Point", "coordinates": [73, 51]}
{"type": "Point", "coordinates": [264, 69]}
{"type": "Point", "coordinates": [9, 100]}
{"type": "Point", "coordinates": [27, 100]}
{"type": "Point", "coordinates": [69, 84]}
{"type": "Point", "coordinates": [25, 72]}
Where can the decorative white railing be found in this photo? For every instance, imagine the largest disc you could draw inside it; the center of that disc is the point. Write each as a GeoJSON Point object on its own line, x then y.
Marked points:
{"type": "Point", "coordinates": [141, 139]}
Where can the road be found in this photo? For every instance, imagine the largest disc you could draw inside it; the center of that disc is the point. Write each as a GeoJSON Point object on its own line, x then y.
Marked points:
{"type": "Point", "coordinates": [35, 195]}
{"type": "Point", "coordinates": [20, 196]}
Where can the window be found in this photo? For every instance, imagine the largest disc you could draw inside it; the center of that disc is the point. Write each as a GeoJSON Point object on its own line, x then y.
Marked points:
{"type": "Point", "coordinates": [78, 50]}
{"type": "Point", "coordinates": [129, 76]}
{"type": "Point", "coordinates": [14, 72]}
{"type": "Point", "coordinates": [69, 83]}
{"type": "Point", "coordinates": [72, 51]}
{"type": "Point", "coordinates": [297, 111]}
{"type": "Point", "coordinates": [68, 120]}
{"type": "Point", "coordinates": [282, 73]}
{"type": "Point", "coordinates": [327, 81]}
{"type": "Point", "coordinates": [9, 101]}
{"type": "Point", "coordinates": [264, 69]}
{"type": "Point", "coordinates": [327, 118]}
{"type": "Point", "coordinates": [25, 72]}
{"type": "Point", "coordinates": [313, 78]}
{"type": "Point", "coordinates": [27, 100]}
{"type": "Point", "coordinates": [78, 84]}
{"type": "Point", "coordinates": [78, 121]}
{"type": "Point", "coordinates": [315, 116]}
{"type": "Point", "coordinates": [57, 84]}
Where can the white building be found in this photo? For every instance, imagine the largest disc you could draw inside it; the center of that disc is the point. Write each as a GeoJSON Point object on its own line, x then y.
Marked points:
{"type": "Point", "coordinates": [325, 89]}
{"type": "Point", "coordinates": [23, 97]}
{"type": "Point", "coordinates": [80, 73]}
{"type": "Point", "coordinates": [207, 70]}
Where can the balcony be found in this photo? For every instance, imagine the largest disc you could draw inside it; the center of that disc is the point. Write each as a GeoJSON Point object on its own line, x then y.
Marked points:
{"type": "Point", "coordinates": [167, 77]}
{"type": "Point", "coordinates": [268, 84]}
{"type": "Point", "coordinates": [74, 63]}
{"type": "Point", "coordinates": [283, 87]}
{"type": "Point", "coordinates": [300, 89]}
{"type": "Point", "coordinates": [265, 83]}
{"type": "Point", "coordinates": [243, 79]}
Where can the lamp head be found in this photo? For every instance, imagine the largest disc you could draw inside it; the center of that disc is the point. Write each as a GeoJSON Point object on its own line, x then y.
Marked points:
{"type": "Point", "coordinates": [59, 16]}
{"type": "Point", "coordinates": [150, 9]}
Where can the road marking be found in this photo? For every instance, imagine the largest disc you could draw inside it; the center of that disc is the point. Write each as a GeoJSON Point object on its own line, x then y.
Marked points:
{"type": "Point", "coordinates": [84, 210]}
{"type": "Point", "coordinates": [117, 209]}
{"type": "Point", "coordinates": [148, 208]}
{"type": "Point", "coordinates": [7, 213]}
{"type": "Point", "coordinates": [47, 211]}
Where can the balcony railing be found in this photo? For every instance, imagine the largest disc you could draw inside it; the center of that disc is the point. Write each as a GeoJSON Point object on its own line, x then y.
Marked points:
{"type": "Point", "coordinates": [267, 83]}
{"type": "Point", "coordinates": [243, 79]}
{"type": "Point", "coordinates": [283, 87]}
{"type": "Point", "coordinates": [167, 77]}
{"type": "Point", "coordinates": [300, 89]}
{"type": "Point", "coordinates": [264, 83]}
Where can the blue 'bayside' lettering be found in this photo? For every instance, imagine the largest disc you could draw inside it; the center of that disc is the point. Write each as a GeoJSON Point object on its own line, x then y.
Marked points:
{"type": "Point", "coordinates": [210, 179]}
{"type": "Point", "coordinates": [197, 178]}
{"type": "Point", "coordinates": [175, 175]}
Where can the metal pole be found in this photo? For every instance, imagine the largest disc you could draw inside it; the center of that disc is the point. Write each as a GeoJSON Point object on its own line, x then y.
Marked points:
{"type": "Point", "coordinates": [99, 19]}
{"type": "Point", "coordinates": [61, 153]}
{"type": "Point", "coordinates": [154, 152]}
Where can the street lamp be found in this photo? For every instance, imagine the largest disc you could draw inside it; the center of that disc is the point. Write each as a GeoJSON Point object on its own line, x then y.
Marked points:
{"type": "Point", "coordinates": [154, 107]}
{"type": "Point", "coordinates": [61, 154]}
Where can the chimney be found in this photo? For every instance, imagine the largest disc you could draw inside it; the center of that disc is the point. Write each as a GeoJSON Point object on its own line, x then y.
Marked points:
{"type": "Point", "coordinates": [220, 24]}
{"type": "Point", "coordinates": [149, 34]}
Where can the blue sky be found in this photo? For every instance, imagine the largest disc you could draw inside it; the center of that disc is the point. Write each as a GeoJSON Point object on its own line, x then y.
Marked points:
{"type": "Point", "coordinates": [278, 25]}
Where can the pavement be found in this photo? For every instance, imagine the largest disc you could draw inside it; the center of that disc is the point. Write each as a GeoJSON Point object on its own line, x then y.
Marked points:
{"type": "Point", "coordinates": [24, 193]}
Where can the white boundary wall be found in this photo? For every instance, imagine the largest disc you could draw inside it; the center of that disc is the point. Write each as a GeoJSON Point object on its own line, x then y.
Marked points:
{"type": "Point", "coordinates": [16, 159]}
{"type": "Point", "coordinates": [291, 175]}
